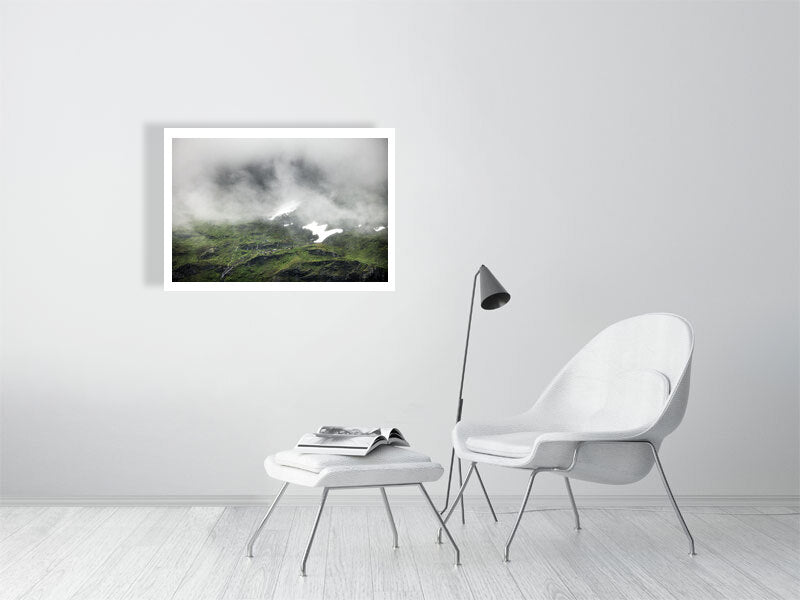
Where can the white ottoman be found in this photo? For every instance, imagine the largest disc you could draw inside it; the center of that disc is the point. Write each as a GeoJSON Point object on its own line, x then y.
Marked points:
{"type": "Point", "coordinates": [383, 467]}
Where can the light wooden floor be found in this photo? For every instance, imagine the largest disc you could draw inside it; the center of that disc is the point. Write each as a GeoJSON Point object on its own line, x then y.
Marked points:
{"type": "Point", "coordinates": [80, 553]}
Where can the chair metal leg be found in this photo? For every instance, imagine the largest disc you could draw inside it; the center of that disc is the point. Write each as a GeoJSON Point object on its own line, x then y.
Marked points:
{"type": "Point", "coordinates": [391, 518]}
{"type": "Point", "coordinates": [461, 482]}
{"type": "Point", "coordinates": [455, 502]}
{"type": "Point", "coordinates": [574, 507]}
{"type": "Point", "coordinates": [672, 500]}
{"type": "Point", "coordinates": [442, 523]}
{"type": "Point", "coordinates": [519, 516]}
{"type": "Point", "coordinates": [485, 495]}
{"type": "Point", "coordinates": [313, 531]}
{"type": "Point", "coordinates": [257, 532]}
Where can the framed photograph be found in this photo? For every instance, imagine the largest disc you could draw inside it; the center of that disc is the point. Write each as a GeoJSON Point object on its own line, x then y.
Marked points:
{"type": "Point", "coordinates": [278, 209]}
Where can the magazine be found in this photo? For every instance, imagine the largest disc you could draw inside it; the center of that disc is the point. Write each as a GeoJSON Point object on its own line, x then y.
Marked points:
{"type": "Point", "coordinates": [349, 441]}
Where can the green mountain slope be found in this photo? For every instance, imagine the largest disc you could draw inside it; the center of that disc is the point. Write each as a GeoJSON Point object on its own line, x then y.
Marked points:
{"type": "Point", "coordinates": [276, 251]}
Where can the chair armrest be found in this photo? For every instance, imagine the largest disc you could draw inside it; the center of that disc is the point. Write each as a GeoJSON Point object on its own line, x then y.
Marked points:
{"type": "Point", "coordinates": [558, 449]}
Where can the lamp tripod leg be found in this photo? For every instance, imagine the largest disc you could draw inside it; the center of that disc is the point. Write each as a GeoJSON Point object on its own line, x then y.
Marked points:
{"type": "Point", "coordinates": [461, 483]}
{"type": "Point", "coordinates": [449, 482]}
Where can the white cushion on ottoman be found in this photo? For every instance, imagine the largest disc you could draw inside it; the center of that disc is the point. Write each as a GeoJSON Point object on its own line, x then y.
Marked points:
{"type": "Point", "coordinates": [385, 465]}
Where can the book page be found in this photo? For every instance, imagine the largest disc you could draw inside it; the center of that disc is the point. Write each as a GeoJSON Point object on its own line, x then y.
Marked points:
{"type": "Point", "coordinates": [327, 430]}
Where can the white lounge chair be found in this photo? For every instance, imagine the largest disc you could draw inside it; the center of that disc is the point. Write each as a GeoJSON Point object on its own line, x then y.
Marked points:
{"type": "Point", "coordinates": [601, 419]}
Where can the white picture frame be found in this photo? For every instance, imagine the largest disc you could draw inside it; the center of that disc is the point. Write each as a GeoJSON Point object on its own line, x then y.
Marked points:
{"type": "Point", "coordinates": [230, 135]}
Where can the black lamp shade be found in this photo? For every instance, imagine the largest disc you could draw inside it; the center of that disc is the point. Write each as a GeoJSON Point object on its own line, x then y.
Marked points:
{"type": "Point", "coordinates": [493, 295]}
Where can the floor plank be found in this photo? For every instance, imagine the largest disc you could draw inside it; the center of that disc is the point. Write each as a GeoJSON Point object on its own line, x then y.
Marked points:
{"type": "Point", "coordinates": [487, 575]}
{"type": "Point", "coordinates": [710, 571]}
{"type": "Point", "coordinates": [583, 560]}
{"type": "Point", "coordinates": [163, 574]}
{"type": "Point", "coordinates": [785, 511]}
{"type": "Point", "coordinates": [783, 534]}
{"type": "Point", "coordinates": [28, 536]}
{"type": "Point", "coordinates": [214, 565]}
{"type": "Point", "coordinates": [12, 519]}
{"type": "Point", "coordinates": [394, 572]}
{"type": "Point", "coordinates": [67, 576]}
{"type": "Point", "coordinates": [781, 527]}
{"type": "Point", "coordinates": [438, 577]}
{"type": "Point", "coordinates": [290, 585]}
{"type": "Point", "coordinates": [537, 576]}
{"type": "Point", "coordinates": [94, 553]}
{"type": "Point", "coordinates": [753, 553]}
{"type": "Point", "coordinates": [116, 574]}
{"type": "Point", "coordinates": [643, 580]}
{"type": "Point", "coordinates": [349, 559]}
{"type": "Point", "coordinates": [34, 565]}
{"type": "Point", "coordinates": [587, 552]}
{"type": "Point", "coordinates": [659, 550]}
{"type": "Point", "coordinates": [255, 578]}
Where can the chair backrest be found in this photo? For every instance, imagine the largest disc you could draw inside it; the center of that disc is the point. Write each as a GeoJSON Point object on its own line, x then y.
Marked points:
{"type": "Point", "coordinates": [632, 375]}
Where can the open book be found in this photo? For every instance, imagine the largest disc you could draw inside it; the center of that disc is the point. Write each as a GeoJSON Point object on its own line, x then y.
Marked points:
{"type": "Point", "coordinates": [349, 441]}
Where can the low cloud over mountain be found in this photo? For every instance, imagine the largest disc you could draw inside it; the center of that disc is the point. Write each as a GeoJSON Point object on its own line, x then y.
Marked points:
{"type": "Point", "coordinates": [340, 182]}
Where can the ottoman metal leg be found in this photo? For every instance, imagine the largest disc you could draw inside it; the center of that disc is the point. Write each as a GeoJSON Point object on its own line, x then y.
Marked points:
{"type": "Point", "coordinates": [313, 531]}
{"type": "Point", "coordinates": [257, 532]}
{"type": "Point", "coordinates": [391, 518]}
{"type": "Point", "coordinates": [442, 523]}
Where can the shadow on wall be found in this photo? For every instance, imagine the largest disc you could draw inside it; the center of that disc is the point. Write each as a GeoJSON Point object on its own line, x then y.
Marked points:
{"type": "Point", "coordinates": [153, 148]}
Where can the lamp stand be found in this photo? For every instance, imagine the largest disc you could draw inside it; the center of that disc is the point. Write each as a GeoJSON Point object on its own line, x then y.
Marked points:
{"type": "Point", "coordinates": [458, 418]}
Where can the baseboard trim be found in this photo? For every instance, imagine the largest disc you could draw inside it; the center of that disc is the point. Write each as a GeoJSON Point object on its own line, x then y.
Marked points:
{"type": "Point", "coordinates": [363, 499]}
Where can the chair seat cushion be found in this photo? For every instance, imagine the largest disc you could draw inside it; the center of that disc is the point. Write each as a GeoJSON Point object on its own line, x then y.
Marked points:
{"type": "Point", "coordinates": [509, 445]}
{"type": "Point", "coordinates": [387, 465]}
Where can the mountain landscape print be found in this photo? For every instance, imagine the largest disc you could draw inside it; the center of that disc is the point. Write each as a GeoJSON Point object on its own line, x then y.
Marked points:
{"type": "Point", "coordinates": [279, 209]}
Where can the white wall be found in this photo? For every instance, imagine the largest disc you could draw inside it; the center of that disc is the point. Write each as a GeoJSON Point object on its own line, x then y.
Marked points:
{"type": "Point", "coordinates": [603, 159]}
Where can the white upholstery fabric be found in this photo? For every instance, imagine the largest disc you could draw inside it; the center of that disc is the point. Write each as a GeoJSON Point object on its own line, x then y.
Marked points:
{"type": "Point", "coordinates": [638, 398]}
{"type": "Point", "coordinates": [630, 382]}
{"type": "Point", "coordinates": [382, 455]}
{"type": "Point", "coordinates": [383, 466]}
{"type": "Point", "coordinates": [510, 445]}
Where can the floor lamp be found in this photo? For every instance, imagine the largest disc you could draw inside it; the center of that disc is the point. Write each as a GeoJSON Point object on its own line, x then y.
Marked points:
{"type": "Point", "coordinates": [493, 295]}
